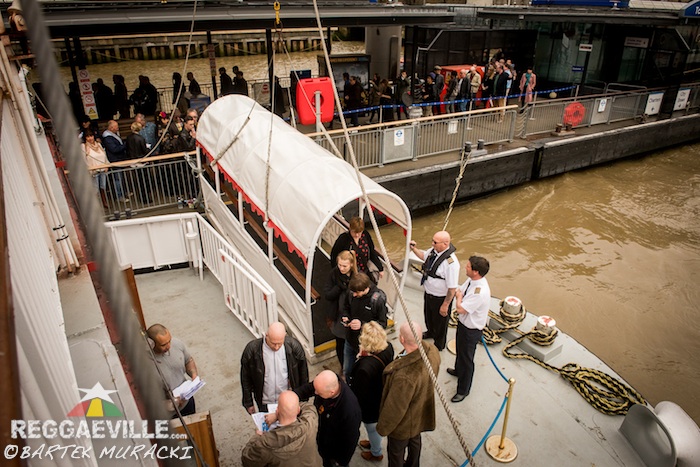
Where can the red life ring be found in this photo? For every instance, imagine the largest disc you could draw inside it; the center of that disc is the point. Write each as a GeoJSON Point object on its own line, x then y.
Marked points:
{"type": "Point", "coordinates": [574, 114]}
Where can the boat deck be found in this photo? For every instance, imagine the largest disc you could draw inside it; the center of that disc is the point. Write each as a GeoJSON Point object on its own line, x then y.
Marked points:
{"type": "Point", "coordinates": [550, 424]}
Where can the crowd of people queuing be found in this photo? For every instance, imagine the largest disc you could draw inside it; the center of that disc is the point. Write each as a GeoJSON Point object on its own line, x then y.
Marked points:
{"type": "Point", "coordinates": [440, 91]}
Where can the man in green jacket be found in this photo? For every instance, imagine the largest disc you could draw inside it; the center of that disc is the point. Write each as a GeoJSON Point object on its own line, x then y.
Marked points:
{"type": "Point", "coordinates": [408, 403]}
{"type": "Point", "coordinates": [293, 443]}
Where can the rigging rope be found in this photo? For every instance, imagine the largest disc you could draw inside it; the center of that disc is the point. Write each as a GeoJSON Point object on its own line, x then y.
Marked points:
{"type": "Point", "coordinates": [604, 392]}
{"type": "Point", "coordinates": [383, 249]}
{"type": "Point", "coordinates": [133, 340]}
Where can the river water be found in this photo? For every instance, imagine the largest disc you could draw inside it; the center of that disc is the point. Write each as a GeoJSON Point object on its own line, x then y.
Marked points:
{"type": "Point", "coordinates": [612, 252]}
{"type": "Point", "coordinates": [254, 67]}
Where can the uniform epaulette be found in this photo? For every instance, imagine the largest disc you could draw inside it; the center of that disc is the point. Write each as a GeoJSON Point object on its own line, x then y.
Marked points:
{"type": "Point", "coordinates": [450, 260]}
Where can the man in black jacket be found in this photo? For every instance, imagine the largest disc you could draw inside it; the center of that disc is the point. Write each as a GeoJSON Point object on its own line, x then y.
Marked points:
{"type": "Point", "coordinates": [339, 417]}
{"type": "Point", "coordinates": [366, 302]}
{"type": "Point", "coordinates": [271, 365]}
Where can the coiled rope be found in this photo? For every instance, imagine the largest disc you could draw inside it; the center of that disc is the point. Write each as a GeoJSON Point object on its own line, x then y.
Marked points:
{"type": "Point", "coordinates": [605, 393]}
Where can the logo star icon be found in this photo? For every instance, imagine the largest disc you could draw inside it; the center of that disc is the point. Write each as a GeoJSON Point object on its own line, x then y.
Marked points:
{"type": "Point", "coordinates": [97, 391]}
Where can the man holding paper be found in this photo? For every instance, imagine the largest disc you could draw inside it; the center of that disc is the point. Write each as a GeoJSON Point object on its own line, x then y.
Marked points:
{"type": "Point", "coordinates": [174, 362]}
{"type": "Point", "coordinates": [293, 443]}
{"type": "Point", "coordinates": [271, 365]}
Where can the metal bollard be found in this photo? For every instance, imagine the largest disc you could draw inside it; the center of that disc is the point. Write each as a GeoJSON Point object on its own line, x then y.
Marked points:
{"type": "Point", "coordinates": [500, 448]}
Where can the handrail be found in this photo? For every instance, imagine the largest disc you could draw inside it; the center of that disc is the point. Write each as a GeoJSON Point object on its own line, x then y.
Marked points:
{"type": "Point", "coordinates": [419, 119]}
{"type": "Point", "coordinates": [130, 162]}
{"type": "Point", "coordinates": [298, 276]}
{"type": "Point", "coordinates": [631, 86]}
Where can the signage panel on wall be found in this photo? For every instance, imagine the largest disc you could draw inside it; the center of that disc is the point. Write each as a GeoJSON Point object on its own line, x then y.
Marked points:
{"type": "Point", "coordinates": [638, 42]}
{"type": "Point", "coordinates": [654, 103]}
{"type": "Point", "coordinates": [681, 99]}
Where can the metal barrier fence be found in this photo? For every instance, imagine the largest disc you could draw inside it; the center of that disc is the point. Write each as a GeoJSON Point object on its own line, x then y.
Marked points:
{"type": "Point", "coordinates": [543, 116]}
{"type": "Point", "coordinates": [163, 181]}
{"type": "Point", "coordinates": [376, 145]}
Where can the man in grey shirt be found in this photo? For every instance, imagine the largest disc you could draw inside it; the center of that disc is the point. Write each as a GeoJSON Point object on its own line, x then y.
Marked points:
{"type": "Point", "coordinates": [174, 362]}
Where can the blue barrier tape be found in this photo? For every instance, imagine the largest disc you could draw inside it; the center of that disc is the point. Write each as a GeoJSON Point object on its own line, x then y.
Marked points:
{"type": "Point", "coordinates": [430, 104]}
{"type": "Point", "coordinates": [488, 432]}
{"type": "Point", "coordinates": [491, 358]}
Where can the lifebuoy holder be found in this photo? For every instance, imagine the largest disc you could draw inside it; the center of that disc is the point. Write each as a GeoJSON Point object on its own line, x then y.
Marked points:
{"type": "Point", "coordinates": [306, 99]}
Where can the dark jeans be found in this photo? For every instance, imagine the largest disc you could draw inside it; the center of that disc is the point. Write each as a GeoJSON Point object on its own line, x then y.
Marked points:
{"type": "Point", "coordinates": [340, 350]}
{"type": "Point", "coordinates": [188, 409]}
{"type": "Point", "coordinates": [396, 451]}
{"type": "Point", "coordinates": [435, 323]}
{"type": "Point", "coordinates": [464, 362]}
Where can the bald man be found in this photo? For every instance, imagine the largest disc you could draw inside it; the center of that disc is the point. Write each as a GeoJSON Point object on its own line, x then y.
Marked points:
{"type": "Point", "coordinates": [408, 403]}
{"type": "Point", "coordinates": [174, 362]}
{"type": "Point", "coordinates": [293, 443]}
{"type": "Point", "coordinates": [339, 417]}
{"type": "Point", "coordinates": [271, 365]}
{"type": "Point", "coordinates": [440, 281]}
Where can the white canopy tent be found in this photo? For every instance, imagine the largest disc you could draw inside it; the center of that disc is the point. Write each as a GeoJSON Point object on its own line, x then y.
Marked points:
{"type": "Point", "coordinates": [286, 177]}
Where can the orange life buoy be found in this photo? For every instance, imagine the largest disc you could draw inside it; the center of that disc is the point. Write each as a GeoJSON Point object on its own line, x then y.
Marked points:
{"type": "Point", "coordinates": [574, 114]}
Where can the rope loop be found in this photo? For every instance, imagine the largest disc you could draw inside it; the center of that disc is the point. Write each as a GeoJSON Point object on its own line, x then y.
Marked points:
{"type": "Point", "coordinates": [605, 393]}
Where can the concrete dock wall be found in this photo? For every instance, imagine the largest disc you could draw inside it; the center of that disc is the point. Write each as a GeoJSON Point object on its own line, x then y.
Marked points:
{"type": "Point", "coordinates": [434, 185]}
{"type": "Point", "coordinates": [583, 151]}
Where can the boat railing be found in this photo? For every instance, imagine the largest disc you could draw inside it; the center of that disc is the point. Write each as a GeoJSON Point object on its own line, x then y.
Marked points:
{"type": "Point", "coordinates": [161, 241]}
{"type": "Point", "coordinates": [147, 184]}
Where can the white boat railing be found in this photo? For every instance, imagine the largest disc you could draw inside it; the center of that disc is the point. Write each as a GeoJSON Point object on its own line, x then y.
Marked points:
{"type": "Point", "coordinates": [161, 241]}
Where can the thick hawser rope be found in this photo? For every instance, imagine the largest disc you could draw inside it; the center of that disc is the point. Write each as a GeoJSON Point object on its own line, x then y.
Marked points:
{"type": "Point", "coordinates": [604, 392]}
{"type": "Point", "coordinates": [383, 249]}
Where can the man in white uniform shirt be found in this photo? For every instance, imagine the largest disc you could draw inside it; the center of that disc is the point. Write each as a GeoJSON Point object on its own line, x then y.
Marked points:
{"type": "Point", "coordinates": [440, 281]}
{"type": "Point", "coordinates": [270, 366]}
{"type": "Point", "coordinates": [473, 299]}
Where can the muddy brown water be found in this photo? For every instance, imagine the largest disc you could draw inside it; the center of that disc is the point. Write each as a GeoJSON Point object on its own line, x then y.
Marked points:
{"type": "Point", "coordinates": [612, 253]}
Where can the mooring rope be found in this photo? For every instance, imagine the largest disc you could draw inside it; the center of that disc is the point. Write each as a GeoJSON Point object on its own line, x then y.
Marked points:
{"type": "Point", "coordinates": [605, 393]}
{"type": "Point", "coordinates": [464, 159]}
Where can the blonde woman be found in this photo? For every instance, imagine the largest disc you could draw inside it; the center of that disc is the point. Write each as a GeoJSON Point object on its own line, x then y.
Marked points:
{"type": "Point", "coordinates": [336, 294]}
{"type": "Point", "coordinates": [366, 382]}
{"type": "Point", "coordinates": [95, 156]}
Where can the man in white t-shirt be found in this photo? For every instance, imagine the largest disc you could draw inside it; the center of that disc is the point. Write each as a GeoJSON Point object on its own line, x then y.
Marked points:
{"type": "Point", "coordinates": [440, 281]}
{"type": "Point", "coordinates": [473, 299]}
